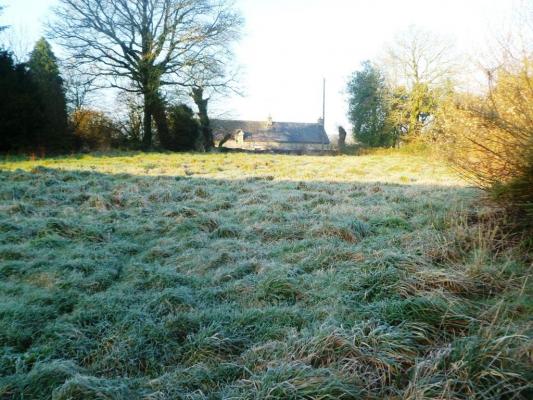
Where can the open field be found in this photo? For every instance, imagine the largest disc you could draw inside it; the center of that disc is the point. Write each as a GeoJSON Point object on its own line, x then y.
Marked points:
{"type": "Point", "coordinates": [237, 276]}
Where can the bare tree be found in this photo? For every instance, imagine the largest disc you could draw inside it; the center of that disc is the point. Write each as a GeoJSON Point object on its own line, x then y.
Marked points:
{"type": "Point", "coordinates": [2, 27]}
{"type": "Point", "coordinates": [79, 86]}
{"type": "Point", "coordinates": [423, 64]}
{"type": "Point", "coordinates": [488, 135]}
{"type": "Point", "coordinates": [142, 46]}
{"type": "Point", "coordinates": [18, 41]}
{"type": "Point", "coordinates": [512, 42]}
{"type": "Point", "coordinates": [214, 74]}
{"type": "Point", "coordinates": [130, 119]}
{"type": "Point", "coordinates": [418, 56]}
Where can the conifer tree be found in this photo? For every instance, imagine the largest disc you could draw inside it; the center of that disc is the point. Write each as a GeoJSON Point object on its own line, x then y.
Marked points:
{"type": "Point", "coordinates": [44, 70]}
{"type": "Point", "coordinates": [21, 111]}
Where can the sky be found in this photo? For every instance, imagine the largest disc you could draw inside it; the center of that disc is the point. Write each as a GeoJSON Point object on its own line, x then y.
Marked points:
{"type": "Point", "coordinates": [290, 46]}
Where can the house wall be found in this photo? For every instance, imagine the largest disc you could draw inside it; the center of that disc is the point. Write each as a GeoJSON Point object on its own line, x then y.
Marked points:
{"type": "Point", "coordinates": [265, 146]}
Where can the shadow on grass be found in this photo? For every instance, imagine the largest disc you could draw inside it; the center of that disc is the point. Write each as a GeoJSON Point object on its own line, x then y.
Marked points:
{"type": "Point", "coordinates": [133, 286]}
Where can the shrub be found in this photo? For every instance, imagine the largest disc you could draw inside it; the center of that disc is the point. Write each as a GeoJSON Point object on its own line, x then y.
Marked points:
{"type": "Point", "coordinates": [184, 131]}
{"type": "Point", "coordinates": [94, 130]}
{"type": "Point", "coordinates": [490, 138]}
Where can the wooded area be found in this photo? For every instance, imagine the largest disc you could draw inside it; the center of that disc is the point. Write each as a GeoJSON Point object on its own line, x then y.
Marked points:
{"type": "Point", "coordinates": [150, 51]}
{"type": "Point", "coordinates": [414, 95]}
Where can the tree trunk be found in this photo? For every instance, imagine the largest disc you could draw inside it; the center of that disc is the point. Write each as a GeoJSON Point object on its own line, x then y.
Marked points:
{"type": "Point", "coordinates": [342, 138]}
{"type": "Point", "coordinates": [225, 139]}
{"type": "Point", "coordinates": [147, 123]}
{"type": "Point", "coordinates": [160, 117]}
{"type": "Point", "coordinates": [207, 134]}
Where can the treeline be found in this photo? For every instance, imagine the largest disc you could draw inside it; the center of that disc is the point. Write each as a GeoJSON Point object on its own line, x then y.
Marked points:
{"type": "Point", "coordinates": [155, 56]}
{"type": "Point", "coordinates": [396, 98]}
{"type": "Point", "coordinates": [411, 95]}
{"type": "Point", "coordinates": [32, 105]}
{"type": "Point", "coordinates": [37, 117]}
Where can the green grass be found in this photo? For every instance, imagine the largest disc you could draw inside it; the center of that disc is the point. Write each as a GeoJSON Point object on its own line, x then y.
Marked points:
{"type": "Point", "coordinates": [238, 276]}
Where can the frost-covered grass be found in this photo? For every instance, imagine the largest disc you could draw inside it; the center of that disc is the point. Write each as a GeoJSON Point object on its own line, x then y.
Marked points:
{"type": "Point", "coordinates": [238, 276]}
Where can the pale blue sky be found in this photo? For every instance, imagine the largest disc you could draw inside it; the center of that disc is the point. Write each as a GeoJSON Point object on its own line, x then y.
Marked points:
{"type": "Point", "coordinates": [289, 45]}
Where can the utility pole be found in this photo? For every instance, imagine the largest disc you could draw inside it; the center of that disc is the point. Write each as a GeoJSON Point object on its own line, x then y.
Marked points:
{"type": "Point", "coordinates": [323, 110]}
{"type": "Point", "coordinates": [324, 102]}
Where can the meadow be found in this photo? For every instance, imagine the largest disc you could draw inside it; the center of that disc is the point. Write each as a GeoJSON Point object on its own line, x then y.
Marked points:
{"type": "Point", "coordinates": [239, 276]}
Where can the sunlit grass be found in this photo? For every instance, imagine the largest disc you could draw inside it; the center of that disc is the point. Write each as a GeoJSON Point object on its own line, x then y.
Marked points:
{"type": "Point", "coordinates": [386, 168]}
{"type": "Point", "coordinates": [239, 276]}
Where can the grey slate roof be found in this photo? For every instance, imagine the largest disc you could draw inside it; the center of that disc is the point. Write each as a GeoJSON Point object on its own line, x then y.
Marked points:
{"type": "Point", "coordinates": [281, 132]}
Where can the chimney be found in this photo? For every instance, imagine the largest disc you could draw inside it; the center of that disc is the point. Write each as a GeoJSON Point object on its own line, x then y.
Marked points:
{"type": "Point", "coordinates": [269, 122]}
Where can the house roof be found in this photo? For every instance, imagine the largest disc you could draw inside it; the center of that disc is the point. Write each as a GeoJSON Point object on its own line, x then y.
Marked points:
{"type": "Point", "coordinates": [263, 131]}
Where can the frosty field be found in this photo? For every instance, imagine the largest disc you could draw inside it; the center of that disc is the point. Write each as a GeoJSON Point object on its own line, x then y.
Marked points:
{"type": "Point", "coordinates": [238, 276]}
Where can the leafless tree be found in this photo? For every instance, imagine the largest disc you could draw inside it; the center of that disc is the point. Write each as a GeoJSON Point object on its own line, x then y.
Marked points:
{"type": "Point", "coordinates": [2, 27]}
{"type": "Point", "coordinates": [488, 134]}
{"type": "Point", "coordinates": [79, 85]}
{"type": "Point", "coordinates": [418, 56]}
{"type": "Point", "coordinates": [210, 77]}
{"type": "Point", "coordinates": [18, 41]}
{"type": "Point", "coordinates": [141, 46]}
{"type": "Point", "coordinates": [511, 42]}
{"type": "Point", "coordinates": [424, 65]}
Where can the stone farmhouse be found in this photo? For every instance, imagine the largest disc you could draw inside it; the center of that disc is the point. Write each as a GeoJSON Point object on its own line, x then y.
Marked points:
{"type": "Point", "coordinates": [271, 136]}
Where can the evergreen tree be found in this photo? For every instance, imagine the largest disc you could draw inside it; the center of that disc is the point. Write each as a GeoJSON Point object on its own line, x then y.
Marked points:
{"type": "Point", "coordinates": [45, 73]}
{"type": "Point", "coordinates": [21, 111]}
{"type": "Point", "coordinates": [368, 107]}
{"type": "Point", "coordinates": [422, 104]}
{"type": "Point", "coordinates": [399, 114]}
{"type": "Point", "coordinates": [184, 133]}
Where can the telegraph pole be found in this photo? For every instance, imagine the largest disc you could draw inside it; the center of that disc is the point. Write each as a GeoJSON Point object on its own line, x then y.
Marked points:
{"type": "Point", "coordinates": [323, 110]}
{"type": "Point", "coordinates": [324, 102]}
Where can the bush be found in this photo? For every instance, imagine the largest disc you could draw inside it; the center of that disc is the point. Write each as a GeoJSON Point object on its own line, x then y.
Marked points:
{"type": "Point", "coordinates": [184, 131]}
{"type": "Point", "coordinates": [94, 130]}
{"type": "Point", "coordinates": [490, 138]}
